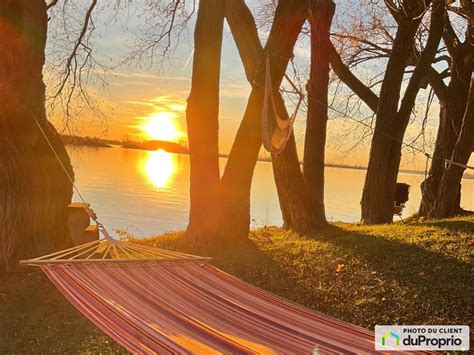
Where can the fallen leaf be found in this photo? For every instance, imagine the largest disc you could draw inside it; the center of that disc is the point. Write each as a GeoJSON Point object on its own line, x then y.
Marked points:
{"type": "Point", "coordinates": [340, 267]}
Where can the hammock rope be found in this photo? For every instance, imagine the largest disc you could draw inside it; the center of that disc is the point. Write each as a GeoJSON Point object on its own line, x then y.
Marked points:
{"type": "Point", "coordinates": [102, 230]}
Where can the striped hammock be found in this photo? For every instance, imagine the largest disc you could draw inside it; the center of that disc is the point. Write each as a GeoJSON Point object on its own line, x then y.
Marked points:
{"type": "Point", "coordinates": [156, 301]}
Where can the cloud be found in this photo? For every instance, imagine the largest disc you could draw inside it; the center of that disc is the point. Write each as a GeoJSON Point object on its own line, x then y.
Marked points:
{"type": "Point", "coordinates": [141, 103]}
{"type": "Point", "coordinates": [145, 75]}
{"type": "Point", "coordinates": [132, 83]}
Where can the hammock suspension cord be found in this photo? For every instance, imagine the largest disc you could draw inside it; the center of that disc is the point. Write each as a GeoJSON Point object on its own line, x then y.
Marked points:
{"type": "Point", "coordinates": [89, 210]}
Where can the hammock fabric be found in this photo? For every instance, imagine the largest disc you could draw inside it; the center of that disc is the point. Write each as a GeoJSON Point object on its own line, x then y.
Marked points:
{"type": "Point", "coordinates": [191, 307]}
{"type": "Point", "coordinates": [153, 300]}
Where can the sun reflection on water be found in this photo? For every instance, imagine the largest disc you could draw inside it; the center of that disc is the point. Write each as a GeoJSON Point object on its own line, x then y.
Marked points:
{"type": "Point", "coordinates": [159, 167]}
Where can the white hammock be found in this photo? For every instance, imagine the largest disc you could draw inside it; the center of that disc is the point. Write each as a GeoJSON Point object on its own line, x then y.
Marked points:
{"type": "Point", "coordinates": [276, 131]}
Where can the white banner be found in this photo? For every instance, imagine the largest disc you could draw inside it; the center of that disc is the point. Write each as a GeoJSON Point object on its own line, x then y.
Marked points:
{"type": "Point", "coordinates": [422, 337]}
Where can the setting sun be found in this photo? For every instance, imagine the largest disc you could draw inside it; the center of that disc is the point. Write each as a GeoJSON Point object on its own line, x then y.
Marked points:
{"type": "Point", "coordinates": [159, 167]}
{"type": "Point", "coordinates": [161, 126]}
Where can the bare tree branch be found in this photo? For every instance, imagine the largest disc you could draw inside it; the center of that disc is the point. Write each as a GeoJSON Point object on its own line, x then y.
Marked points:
{"type": "Point", "coordinates": [163, 25]}
{"type": "Point", "coordinates": [351, 80]}
{"type": "Point", "coordinates": [51, 4]}
{"type": "Point", "coordinates": [69, 68]}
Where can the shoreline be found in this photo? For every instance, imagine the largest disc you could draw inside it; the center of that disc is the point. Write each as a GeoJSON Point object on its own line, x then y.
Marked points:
{"type": "Point", "coordinates": [260, 159]}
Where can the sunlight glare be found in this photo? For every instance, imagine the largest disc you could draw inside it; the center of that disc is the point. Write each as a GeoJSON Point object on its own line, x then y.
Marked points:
{"type": "Point", "coordinates": [161, 126]}
{"type": "Point", "coordinates": [159, 167]}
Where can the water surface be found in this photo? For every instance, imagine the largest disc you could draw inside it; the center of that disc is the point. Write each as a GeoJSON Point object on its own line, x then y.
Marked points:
{"type": "Point", "coordinates": [147, 193]}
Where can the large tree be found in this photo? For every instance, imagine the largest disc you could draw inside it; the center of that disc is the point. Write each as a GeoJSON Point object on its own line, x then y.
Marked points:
{"type": "Point", "coordinates": [373, 42]}
{"type": "Point", "coordinates": [447, 201]}
{"type": "Point", "coordinates": [320, 18]}
{"type": "Point", "coordinates": [231, 204]}
{"type": "Point", "coordinates": [292, 191]}
{"type": "Point", "coordinates": [237, 177]}
{"type": "Point", "coordinates": [453, 100]}
{"type": "Point", "coordinates": [301, 193]}
{"type": "Point", "coordinates": [393, 115]}
{"type": "Point", "coordinates": [203, 121]}
{"type": "Point", "coordinates": [34, 190]}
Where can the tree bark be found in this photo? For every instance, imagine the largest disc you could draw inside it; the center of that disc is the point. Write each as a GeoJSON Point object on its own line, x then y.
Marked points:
{"type": "Point", "coordinates": [245, 34]}
{"type": "Point", "coordinates": [378, 193]}
{"type": "Point", "coordinates": [430, 187]}
{"type": "Point", "coordinates": [34, 191]}
{"type": "Point", "coordinates": [447, 203]}
{"type": "Point", "coordinates": [320, 18]}
{"type": "Point", "coordinates": [203, 121]}
{"type": "Point", "coordinates": [391, 123]}
{"type": "Point", "coordinates": [237, 178]}
{"type": "Point", "coordinates": [451, 118]}
{"type": "Point", "coordinates": [292, 192]}
{"type": "Point", "coordinates": [422, 70]}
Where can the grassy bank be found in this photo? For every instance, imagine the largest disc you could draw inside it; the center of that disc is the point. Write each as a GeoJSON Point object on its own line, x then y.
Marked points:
{"type": "Point", "coordinates": [417, 273]}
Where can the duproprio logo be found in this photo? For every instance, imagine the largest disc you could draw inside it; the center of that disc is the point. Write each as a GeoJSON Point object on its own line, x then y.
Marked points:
{"type": "Point", "coordinates": [422, 337]}
{"type": "Point", "coordinates": [388, 335]}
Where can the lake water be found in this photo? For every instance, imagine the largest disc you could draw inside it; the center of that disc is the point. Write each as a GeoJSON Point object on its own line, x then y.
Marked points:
{"type": "Point", "coordinates": [147, 193]}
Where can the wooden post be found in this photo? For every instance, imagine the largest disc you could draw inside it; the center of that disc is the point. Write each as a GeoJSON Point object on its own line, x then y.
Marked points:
{"type": "Point", "coordinates": [91, 233]}
{"type": "Point", "coordinates": [79, 224]}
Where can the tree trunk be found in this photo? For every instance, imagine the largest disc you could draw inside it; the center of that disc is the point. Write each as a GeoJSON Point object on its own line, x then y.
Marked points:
{"type": "Point", "coordinates": [379, 187]}
{"type": "Point", "coordinates": [430, 187]}
{"type": "Point", "coordinates": [245, 34]}
{"type": "Point", "coordinates": [447, 203]}
{"type": "Point", "coordinates": [237, 178]}
{"type": "Point", "coordinates": [421, 70]}
{"type": "Point", "coordinates": [451, 118]}
{"type": "Point", "coordinates": [34, 191]}
{"type": "Point", "coordinates": [320, 18]}
{"type": "Point", "coordinates": [391, 123]}
{"type": "Point", "coordinates": [291, 189]}
{"type": "Point", "coordinates": [203, 121]}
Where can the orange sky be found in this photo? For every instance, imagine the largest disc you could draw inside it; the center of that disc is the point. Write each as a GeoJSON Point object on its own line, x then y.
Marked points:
{"type": "Point", "coordinates": [136, 102]}
{"type": "Point", "coordinates": [144, 99]}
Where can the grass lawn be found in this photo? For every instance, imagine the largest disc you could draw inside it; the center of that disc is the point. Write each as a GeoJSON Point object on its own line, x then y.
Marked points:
{"type": "Point", "coordinates": [414, 273]}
